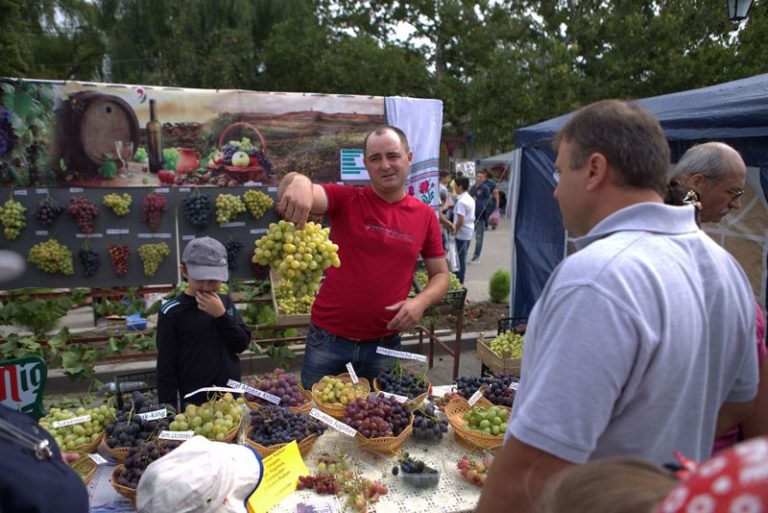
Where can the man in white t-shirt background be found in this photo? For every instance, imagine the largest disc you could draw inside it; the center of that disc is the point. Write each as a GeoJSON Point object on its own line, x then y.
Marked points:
{"type": "Point", "coordinates": [463, 222]}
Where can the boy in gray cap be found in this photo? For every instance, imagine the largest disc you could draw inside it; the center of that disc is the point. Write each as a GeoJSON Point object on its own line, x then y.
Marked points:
{"type": "Point", "coordinates": [199, 333]}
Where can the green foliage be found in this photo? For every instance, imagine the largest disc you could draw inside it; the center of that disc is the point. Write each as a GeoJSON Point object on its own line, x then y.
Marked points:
{"type": "Point", "coordinates": [498, 286]}
{"type": "Point", "coordinates": [108, 169]}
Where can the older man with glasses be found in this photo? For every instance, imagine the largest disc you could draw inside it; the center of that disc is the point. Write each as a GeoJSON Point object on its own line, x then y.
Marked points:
{"type": "Point", "coordinates": [717, 174]}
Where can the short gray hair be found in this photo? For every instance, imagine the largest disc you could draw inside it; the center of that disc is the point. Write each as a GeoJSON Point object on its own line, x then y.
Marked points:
{"type": "Point", "coordinates": [708, 159]}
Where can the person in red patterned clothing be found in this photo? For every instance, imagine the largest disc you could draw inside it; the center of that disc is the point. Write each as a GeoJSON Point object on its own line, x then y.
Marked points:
{"type": "Point", "coordinates": [381, 231]}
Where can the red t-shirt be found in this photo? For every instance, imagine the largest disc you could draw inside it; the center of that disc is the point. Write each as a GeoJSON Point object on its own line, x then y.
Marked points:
{"type": "Point", "coordinates": [379, 244]}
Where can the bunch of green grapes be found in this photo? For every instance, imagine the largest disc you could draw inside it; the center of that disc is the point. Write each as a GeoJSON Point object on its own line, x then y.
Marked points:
{"type": "Point", "coordinates": [508, 345]}
{"type": "Point", "coordinates": [213, 419]}
{"type": "Point", "coordinates": [12, 217]}
{"type": "Point", "coordinates": [292, 302]}
{"type": "Point", "coordinates": [52, 257]}
{"type": "Point", "coordinates": [492, 421]}
{"type": "Point", "coordinates": [453, 283]}
{"type": "Point", "coordinates": [299, 258]}
{"type": "Point", "coordinates": [152, 255]}
{"type": "Point", "coordinates": [120, 204]}
{"type": "Point", "coordinates": [228, 207]}
{"type": "Point", "coordinates": [257, 202]}
{"type": "Point", "coordinates": [75, 435]}
{"type": "Point", "coordinates": [184, 285]}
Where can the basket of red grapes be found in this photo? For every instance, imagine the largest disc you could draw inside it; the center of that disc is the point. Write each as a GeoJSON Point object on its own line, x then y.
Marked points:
{"type": "Point", "coordinates": [382, 423]}
{"type": "Point", "coordinates": [272, 426]}
{"type": "Point", "coordinates": [283, 385]}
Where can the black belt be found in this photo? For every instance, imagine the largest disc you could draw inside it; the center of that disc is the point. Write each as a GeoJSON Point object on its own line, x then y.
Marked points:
{"type": "Point", "coordinates": [380, 340]}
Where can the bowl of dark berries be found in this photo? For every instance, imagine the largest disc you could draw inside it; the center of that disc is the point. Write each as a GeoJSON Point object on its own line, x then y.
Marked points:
{"type": "Point", "coordinates": [416, 472]}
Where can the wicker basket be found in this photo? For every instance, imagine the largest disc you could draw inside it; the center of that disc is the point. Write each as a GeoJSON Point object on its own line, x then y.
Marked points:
{"type": "Point", "coordinates": [304, 446]}
{"type": "Point", "coordinates": [455, 412]}
{"type": "Point", "coordinates": [386, 444]}
{"type": "Point", "coordinates": [304, 408]}
{"type": "Point", "coordinates": [411, 404]}
{"type": "Point", "coordinates": [337, 410]}
{"type": "Point", "coordinates": [118, 453]}
{"type": "Point", "coordinates": [90, 447]}
{"type": "Point", "coordinates": [85, 464]}
{"type": "Point", "coordinates": [242, 174]}
{"type": "Point", "coordinates": [128, 493]}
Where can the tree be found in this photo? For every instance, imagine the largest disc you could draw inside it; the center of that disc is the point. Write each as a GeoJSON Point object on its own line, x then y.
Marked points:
{"type": "Point", "coordinates": [13, 33]}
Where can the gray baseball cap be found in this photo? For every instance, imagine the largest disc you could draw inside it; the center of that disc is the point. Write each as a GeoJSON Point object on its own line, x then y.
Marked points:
{"type": "Point", "coordinates": [206, 259]}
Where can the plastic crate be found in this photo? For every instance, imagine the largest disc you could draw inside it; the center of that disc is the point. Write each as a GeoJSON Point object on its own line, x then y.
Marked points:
{"type": "Point", "coordinates": [512, 323]}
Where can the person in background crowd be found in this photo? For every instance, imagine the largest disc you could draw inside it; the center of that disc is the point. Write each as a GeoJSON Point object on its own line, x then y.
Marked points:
{"type": "Point", "coordinates": [623, 357]}
{"type": "Point", "coordinates": [446, 206]}
{"type": "Point", "coordinates": [199, 333]}
{"type": "Point", "coordinates": [712, 176]}
{"type": "Point", "coordinates": [464, 213]}
{"type": "Point", "coordinates": [486, 200]}
{"type": "Point", "coordinates": [380, 231]}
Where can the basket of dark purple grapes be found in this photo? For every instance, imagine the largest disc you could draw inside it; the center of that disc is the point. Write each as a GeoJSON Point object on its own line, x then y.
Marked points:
{"type": "Point", "coordinates": [243, 163]}
{"type": "Point", "coordinates": [428, 425]}
{"type": "Point", "coordinates": [125, 477]}
{"type": "Point", "coordinates": [138, 421]}
{"type": "Point", "coordinates": [272, 426]}
{"type": "Point", "coordinates": [382, 423]}
{"type": "Point", "coordinates": [402, 382]}
{"type": "Point", "coordinates": [283, 385]}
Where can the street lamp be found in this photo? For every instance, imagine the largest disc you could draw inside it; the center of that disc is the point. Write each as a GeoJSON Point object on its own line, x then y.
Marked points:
{"type": "Point", "coordinates": [738, 9]}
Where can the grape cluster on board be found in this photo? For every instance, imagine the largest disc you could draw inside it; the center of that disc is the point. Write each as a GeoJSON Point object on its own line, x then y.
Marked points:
{"type": "Point", "coordinates": [48, 210]}
{"type": "Point", "coordinates": [139, 458]}
{"type": "Point", "coordinates": [402, 382]}
{"type": "Point", "coordinates": [213, 419]}
{"type": "Point", "coordinates": [152, 255]}
{"type": "Point", "coordinates": [257, 203]}
{"type": "Point", "coordinates": [128, 429]}
{"type": "Point", "coordinates": [75, 435]}
{"type": "Point", "coordinates": [278, 383]}
{"type": "Point", "coordinates": [84, 212]}
{"type": "Point", "coordinates": [52, 257]}
{"type": "Point", "coordinates": [233, 247]}
{"type": "Point", "coordinates": [377, 416]}
{"type": "Point", "coordinates": [12, 217]}
{"type": "Point", "coordinates": [119, 204]}
{"type": "Point", "coordinates": [152, 208]}
{"type": "Point", "coordinates": [197, 209]}
{"type": "Point", "coordinates": [299, 258]}
{"type": "Point", "coordinates": [228, 207]}
{"type": "Point", "coordinates": [90, 262]}
{"type": "Point", "coordinates": [273, 425]}
{"type": "Point", "coordinates": [118, 255]}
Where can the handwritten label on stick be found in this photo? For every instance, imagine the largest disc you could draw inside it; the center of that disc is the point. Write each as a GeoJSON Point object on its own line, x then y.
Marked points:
{"type": "Point", "coordinates": [514, 386]}
{"type": "Point", "coordinates": [352, 373]}
{"type": "Point", "coordinates": [153, 415]}
{"type": "Point", "coordinates": [401, 354]}
{"type": "Point", "coordinates": [97, 458]}
{"type": "Point", "coordinates": [176, 435]}
{"type": "Point", "coordinates": [72, 421]}
{"type": "Point", "coordinates": [335, 424]}
{"type": "Point", "coordinates": [254, 391]}
{"type": "Point", "coordinates": [476, 396]}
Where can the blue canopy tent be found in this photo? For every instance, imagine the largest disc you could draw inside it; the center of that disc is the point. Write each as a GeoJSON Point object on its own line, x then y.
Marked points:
{"type": "Point", "coordinates": [734, 112]}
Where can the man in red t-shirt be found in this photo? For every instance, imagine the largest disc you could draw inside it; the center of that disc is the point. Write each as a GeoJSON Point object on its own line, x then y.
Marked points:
{"type": "Point", "coordinates": [380, 231]}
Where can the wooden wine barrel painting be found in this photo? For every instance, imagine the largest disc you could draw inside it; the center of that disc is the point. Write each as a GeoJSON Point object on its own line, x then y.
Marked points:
{"type": "Point", "coordinates": [90, 124]}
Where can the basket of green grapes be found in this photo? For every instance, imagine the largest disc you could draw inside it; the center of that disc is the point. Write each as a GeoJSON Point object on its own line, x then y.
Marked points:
{"type": "Point", "coordinates": [79, 430]}
{"type": "Point", "coordinates": [481, 426]}
{"type": "Point", "coordinates": [503, 354]}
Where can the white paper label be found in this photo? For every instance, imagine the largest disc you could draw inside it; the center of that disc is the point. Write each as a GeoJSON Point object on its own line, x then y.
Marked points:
{"type": "Point", "coordinates": [237, 224]}
{"type": "Point", "coordinates": [258, 231]}
{"type": "Point", "coordinates": [352, 373]}
{"type": "Point", "coordinates": [335, 424]}
{"type": "Point", "coordinates": [184, 189]}
{"type": "Point", "coordinates": [176, 435]}
{"type": "Point", "coordinates": [514, 385]}
{"type": "Point", "coordinates": [153, 415]}
{"type": "Point", "coordinates": [163, 235]}
{"type": "Point", "coordinates": [253, 391]}
{"type": "Point", "coordinates": [20, 192]}
{"type": "Point", "coordinates": [271, 189]}
{"type": "Point", "coordinates": [118, 231]}
{"type": "Point", "coordinates": [97, 458]}
{"type": "Point", "coordinates": [75, 190]}
{"type": "Point", "coordinates": [145, 235]}
{"type": "Point", "coordinates": [213, 389]}
{"type": "Point", "coordinates": [187, 237]}
{"type": "Point", "coordinates": [475, 397]}
{"type": "Point", "coordinates": [398, 398]}
{"type": "Point", "coordinates": [162, 190]}
{"type": "Point", "coordinates": [76, 420]}
{"type": "Point", "coordinates": [89, 235]}
{"type": "Point", "coordinates": [41, 191]}
{"type": "Point", "coordinates": [41, 233]}
{"type": "Point", "coordinates": [401, 354]}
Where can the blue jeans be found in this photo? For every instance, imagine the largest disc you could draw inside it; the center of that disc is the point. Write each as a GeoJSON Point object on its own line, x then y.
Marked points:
{"type": "Point", "coordinates": [327, 354]}
{"type": "Point", "coordinates": [479, 234]}
{"type": "Point", "coordinates": [462, 246]}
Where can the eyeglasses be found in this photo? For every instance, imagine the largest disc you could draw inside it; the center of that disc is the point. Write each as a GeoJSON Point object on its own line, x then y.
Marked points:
{"type": "Point", "coordinates": [556, 175]}
{"type": "Point", "coordinates": [735, 193]}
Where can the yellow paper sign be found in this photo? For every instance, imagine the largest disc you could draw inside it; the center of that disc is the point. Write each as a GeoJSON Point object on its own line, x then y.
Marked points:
{"type": "Point", "coordinates": [281, 474]}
